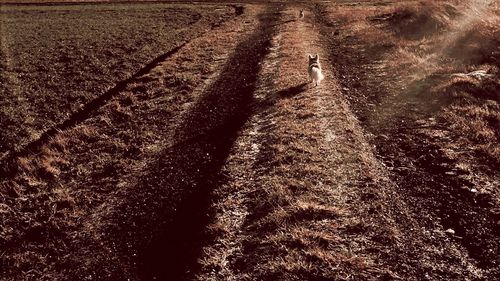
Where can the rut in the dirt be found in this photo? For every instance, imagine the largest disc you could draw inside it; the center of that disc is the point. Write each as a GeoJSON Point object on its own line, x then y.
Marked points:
{"type": "Point", "coordinates": [161, 224]}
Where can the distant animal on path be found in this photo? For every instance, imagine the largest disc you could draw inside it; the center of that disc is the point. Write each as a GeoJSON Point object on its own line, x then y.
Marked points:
{"type": "Point", "coordinates": [301, 14]}
{"type": "Point", "coordinates": [314, 70]}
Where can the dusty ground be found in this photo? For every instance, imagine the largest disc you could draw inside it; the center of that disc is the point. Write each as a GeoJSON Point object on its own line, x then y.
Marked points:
{"type": "Point", "coordinates": [219, 161]}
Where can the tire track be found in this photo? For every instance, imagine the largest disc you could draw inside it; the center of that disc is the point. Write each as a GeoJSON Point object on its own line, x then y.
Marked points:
{"type": "Point", "coordinates": [168, 206]}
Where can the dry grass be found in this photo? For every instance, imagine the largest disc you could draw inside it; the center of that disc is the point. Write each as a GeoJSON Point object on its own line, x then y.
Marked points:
{"type": "Point", "coordinates": [420, 39]}
{"type": "Point", "coordinates": [474, 116]}
{"type": "Point", "coordinates": [47, 164]}
{"type": "Point", "coordinates": [303, 196]}
{"type": "Point", "coordinates": [404, 69]}
{"type": "Point", "coordinates": [446, 38]}
{"type": "Point", "coordinates": [300, 215]}
{"type": "Point", "coordinates": [416, 20]}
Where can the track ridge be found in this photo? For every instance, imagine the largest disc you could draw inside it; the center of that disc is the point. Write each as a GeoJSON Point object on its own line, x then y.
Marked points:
{"type": "Point", "coordinates": [283, 212]}
{"type": "Point", "coordinates": [156, 226]}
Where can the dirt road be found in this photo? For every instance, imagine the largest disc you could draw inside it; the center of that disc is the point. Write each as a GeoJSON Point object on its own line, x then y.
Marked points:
{"type": "Point", "coordinates": [222, 162]}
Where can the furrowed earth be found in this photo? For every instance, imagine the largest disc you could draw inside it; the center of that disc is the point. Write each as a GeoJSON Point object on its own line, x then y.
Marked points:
{"type": "Point", "coordinates": [173, 140]}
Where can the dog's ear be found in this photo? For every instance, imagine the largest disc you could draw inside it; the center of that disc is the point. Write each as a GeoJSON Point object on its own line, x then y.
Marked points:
{"type": "Point", "coordinates": [317, 56]}
{"type": "Point", "coordinates": [310, 56]}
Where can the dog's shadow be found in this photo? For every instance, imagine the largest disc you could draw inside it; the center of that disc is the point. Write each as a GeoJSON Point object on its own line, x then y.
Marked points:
{"type": "Point", "coordinates": [287, 93]}
{"type": "Point", "coordinates": [284, 22]}
{"type": "Point", "coordinates": [271, 99]}
{"type": "Point", "coordinates": [292, 91]}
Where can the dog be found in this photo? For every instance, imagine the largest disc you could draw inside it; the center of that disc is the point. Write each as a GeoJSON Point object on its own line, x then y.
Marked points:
{"type": "Point", "coordinates": [314, 70]}
{"type": "Point", "coordinates": [301, 14]}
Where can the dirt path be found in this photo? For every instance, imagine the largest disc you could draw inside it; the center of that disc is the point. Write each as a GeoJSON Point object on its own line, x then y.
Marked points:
{"type": "Point", "coordinates": [302, 199]}
{"type": "Point", "coordinates": [305, 197]}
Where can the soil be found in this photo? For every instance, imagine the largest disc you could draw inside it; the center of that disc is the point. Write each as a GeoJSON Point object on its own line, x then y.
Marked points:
{"type": "Point", "coordinates": [220, 161]}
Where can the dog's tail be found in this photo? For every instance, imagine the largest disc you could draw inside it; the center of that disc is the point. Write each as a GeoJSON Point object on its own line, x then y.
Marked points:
{"type": "Point", "coordinates": [316, 74]}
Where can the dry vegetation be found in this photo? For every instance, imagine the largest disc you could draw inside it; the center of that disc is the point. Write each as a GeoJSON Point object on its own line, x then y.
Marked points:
{"type": "Point", "coordinates": [464, 53]}
{"type": "Point", "coordinates": [217, 161]}
{"type": "Point", "coordinates": [423, 79]}
{"type": "Point", "coordinates": [446, 53]}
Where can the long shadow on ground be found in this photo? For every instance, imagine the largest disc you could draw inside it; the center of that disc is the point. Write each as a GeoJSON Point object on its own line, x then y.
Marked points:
{"type": "Point", "coordinates": [159, 227]}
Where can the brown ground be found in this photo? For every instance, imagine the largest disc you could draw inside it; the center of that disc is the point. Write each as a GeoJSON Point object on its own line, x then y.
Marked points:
{"type": "Point", "coordinates": [83, 53]}
{"type": "Point", "coordinates": [219, 161]}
